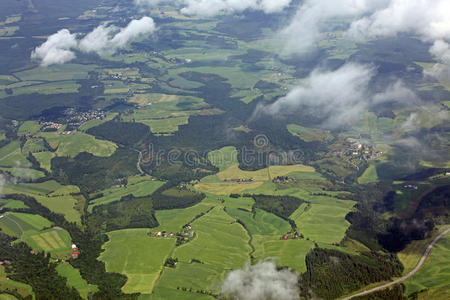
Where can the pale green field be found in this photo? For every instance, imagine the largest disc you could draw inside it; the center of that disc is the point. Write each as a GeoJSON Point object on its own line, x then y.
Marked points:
{"type": "Point", "coordinates": [64, 87]}
{"type": "Point", "coordinates": [12, 204]}
{"type": "Point", "coordinates": [57, 72]}
{"type": "Point", "coordinates": [77, 142]}
{"type": "Point", "coordinates": [172, 220]}
{"type": "Point", "coordinates": [309, 134]}
{"type": "Point", "coordinates": [11, 156]}
{"type": "Point", "coordinates": [24, 173]}
{"type": "Point", "coordinates": [75, 280]}
{"type": "Point", "coordinates": [138, 256]}
{"type": "Point", "coordinates": [29, 127]}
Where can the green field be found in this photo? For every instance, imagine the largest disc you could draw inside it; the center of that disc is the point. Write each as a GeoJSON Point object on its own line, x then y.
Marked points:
{"type": "Point", "coordinates": [370, 175]}
{"type": "Point", "coordinates": [22, 289]}
{"type": "Point", "coordinates": [29, 127]}
{"type": "Point", "coordinates": [223, 158]}
{"type": "Point", "coordinates": [75, 280]}
{"type": "Point", "coordinates": [12, 204]}
{"type": "Point", "coordinates": [11, 156]}
{"type": "Point", "coordinates": [309, 134]}
{"type": "Point", "coordinates": [57, 72]}
{"type": "Point", "coordinates": [172, 220]}
{"type": "Point", "coordinates": [221, 244]}
{"type": "Point", "coordinates": [434, 275]}
{"type": "Point", "coordinates": [137, 186]}
{"type": "Point", "coordinates": [138, 256]}
{"type": "Point", "coordinates": [24, 173]}
{"type": "Point", "coordinates": [62, 87]}
{"type": "Point", "coordinates": [33, 230]}
{"type": "Point", "coordinates": [73, 144]}
{"type": "Point", "coordinates": [45, 158]}
{"type": "Point", "coordinates": [51, 194]}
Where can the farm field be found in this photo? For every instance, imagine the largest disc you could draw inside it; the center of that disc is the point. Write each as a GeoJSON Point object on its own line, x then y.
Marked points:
{"type": "Point", "coordinates": [57, 72]}
{"type": "Point", "coordinates": [434, 276]}
{"type": "Point", "coordinates": [138, 256]}
{"type": "Point", "coordinates": [173, 220]}
{"type": "Point", "coordinates": [73, 144]}
{"type": "Point", "coordinates": [223, 158]}
{"type": "Point", "coordinates": [32, 229]}
{"type": "Point", "coordinates": [220, 244]}
{"type": "Point", "coordinates": [137, 186]}
{"type": "Point", "coordinates": [22, 289]}
{"type": "Point", "coordinates": [11, 156]}
{"type": "Point", "coordinates": [51, 194]}
{"type": "Point", "coordinates": [75, 280]}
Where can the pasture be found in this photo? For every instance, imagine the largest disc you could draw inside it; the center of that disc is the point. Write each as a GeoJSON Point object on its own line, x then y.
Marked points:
{"type": "Point", "coordinates": [370, 175]}
{"type": "Point", "coordinates": [57, 72]}
{"type": "Point", "coordinates": [309, 134]}
{"type": "Point", "coordinates": [73, 144]}
{"type": "Point", "coordinates": [172, 220]}
{"type": "Point", "coordinates": [435, 273]}
{"type": "Point", "coordinates": [22, 289]}
{"type": "Point", "coordinates": [223, 158]}
{"type": "Point", "coordinates": [11, 156]}
{"type": "Point", "coordinates": [75, 280]}
{"type": "Point", "coordinates": [138, 256]}
{"type": "Point", "coordinates": [233, 172]}
{"type": "Point", "coordinates": [290, 253]}
{"type": "Point", "coordinates": [137, 186]}
{"type": "Point", "coordinates": [45, 159]}
{"type": "Point", "coordinates": [50, 194]}
{"type": "Point", "coordinates": [35, 231]}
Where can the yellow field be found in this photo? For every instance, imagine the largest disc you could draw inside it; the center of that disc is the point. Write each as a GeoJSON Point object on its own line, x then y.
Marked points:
{"type": "Point", "coordinates": [226, 188]}
{"type": "Point", "coordinates": [266, 174]}
{"type": "Point", "coordinates": [145, 99]}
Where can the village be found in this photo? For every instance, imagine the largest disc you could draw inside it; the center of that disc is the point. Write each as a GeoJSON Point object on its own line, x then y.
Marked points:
{"type": "Point", "coordinates": [184, 236]}
{"type": "Point", "coordinates": [73, 119]}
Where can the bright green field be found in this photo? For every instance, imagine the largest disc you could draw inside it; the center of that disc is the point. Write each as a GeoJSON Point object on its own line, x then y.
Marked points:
{"type": "Point", "coordinates": [220, 243]}
{"type": "Point", "coordinates": [77, 142]}
{"type": "Point", "coordinates": [434, 275]}
{"type": "Point", "coordinates": [24, 173]}
{"type": "Point", "coordinates": [45, 158]}
{"type": "Point", "coordinates": [290, 253]}
{"type": "Point", "coordinates": [11, 156]}
{"type": "Point", "coordinates": [223, 158]}
{"type": "Point", "coordinates": [262, 223]}
{"type": "Point", "coordinates": [75, 280]}
{"type": "Point", "coordinates": [138, 256]}
{"type": "Point", "coordinates": [29, 127]}
{"type": "Point", "coordinates": [324, 221]}
{"type": "Point", "coordinates": [369, 176]}
{"type": "Point", "coordinates": [172, 220]}
{"type": "Point", "coordinates": [12, 204]}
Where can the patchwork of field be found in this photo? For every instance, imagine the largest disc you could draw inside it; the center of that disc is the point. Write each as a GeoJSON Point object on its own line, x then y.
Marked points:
{"type": "Point", "coordinates": [51, 194]}
{"type": "Point", "coordinates": [75, 280]}
{"type": "Point", "coordinates": [134, 253]}
{"type": "Point", "coordinates": [138, 186]}
{"type": "Point", "coordinates": [36, 232]}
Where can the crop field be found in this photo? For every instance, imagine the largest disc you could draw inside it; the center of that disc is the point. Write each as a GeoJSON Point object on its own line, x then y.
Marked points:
{"type": "Point", "coordinates": [31, 230]}
{"type": "Point", "coordinates": [29, 127]}
{"type": "Point", "coordinates": [138, 256]}
{"type": "Point", "coordinates": [77, 142]}
{"type": "Point", "coordinates": [11, 156]}
{"type": "Point", "coordinates": [308, 134]}
{"type": "Point", "coordinates": [262, 223]}
{"type": "Point", "coordinates": [324, 221]}
{"type": "Point", "coordinates": [290, 253]}
{"type": "Point", "coordinates": [164, 126]}
{"type": "Point", "coordinates": [370, 175]}
{"type": "Point", "coordinates": [57, 72]}
{"type": "Point", "coordinates": [12, 204]}
{"type": "Point", "coordinates": [172, 220]}
{"type": "Point", "coordinates": [22, 289]}
{"type": "Point", "coordinates": [221, 244]}
{"type": "Point", "coordinates": [75, 280]}
{"type": "Point", "coordinates": [225, 188]}
{"type": "Point", "coordinates": [137, 186]}
{"type": "Point", "coordinates": [24, 173]}
{"type": "Point", "coordinates": [233, 172]}
{"type": "Point", "coordinates": [435, 273]}
{"type": "Point", "coordinates": [59, 202]}
{"type": "Point", "coordinates": [64, 87]}
{"type": "Point", "coordinates": [45, 158]}
{"type": "Point", "coordinates": [223, 158]}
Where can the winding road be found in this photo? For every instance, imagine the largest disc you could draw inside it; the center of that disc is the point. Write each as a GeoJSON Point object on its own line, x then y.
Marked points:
{"type": "Point", "coordinates": [401, 279]}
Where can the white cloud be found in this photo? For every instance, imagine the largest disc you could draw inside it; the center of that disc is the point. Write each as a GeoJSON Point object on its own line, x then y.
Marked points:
{"type": "Point", "coordinates": [103, 40]}
{"type": "Point", "coordinates": [209, 8]}
{"type": "Point", "coordinates": [338, 97]}
{"type": "Point", "coordinates": [261, 282]}
{"type": "Point", "coordinates": [57, 49]}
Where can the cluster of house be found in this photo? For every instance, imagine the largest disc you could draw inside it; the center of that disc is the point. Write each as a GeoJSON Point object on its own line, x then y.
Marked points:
{"type": "Point", "coordinates": [76, 118]}
{"type": "Point", "coordinates": [185, 235]}
{"type": "Point", "coordinates": [50, 126]}
{"type": "Point", "coordinates": [283, 179]}
{"type": "Point", "coordinates": [411, 187]}
{"type": "Point", "coordinates": [357, 148]}
{"type": "Point", "coordinates": [75, 252]}
{"type": "Point", "coordinates": [292, 236]}
{"type": "Point", "coordinates": [239, 180]}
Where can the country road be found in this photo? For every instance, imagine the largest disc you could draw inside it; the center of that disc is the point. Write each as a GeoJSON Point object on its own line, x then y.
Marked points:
{"type": "Point", "coordinates": [401, 279]}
